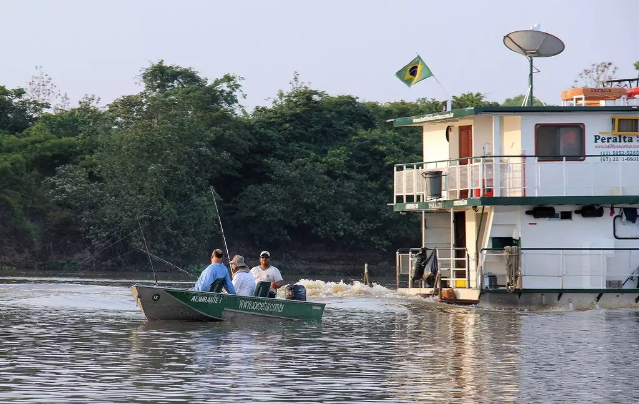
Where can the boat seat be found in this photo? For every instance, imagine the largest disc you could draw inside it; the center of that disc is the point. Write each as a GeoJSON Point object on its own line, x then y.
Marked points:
{"type": "Point", "coordinates": [217, 285]}
{"type": "Point", "coordinates": [262, 288]}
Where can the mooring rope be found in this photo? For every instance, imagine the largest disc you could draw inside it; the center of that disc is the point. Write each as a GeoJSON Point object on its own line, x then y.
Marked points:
{"type": "Point", "coordinates": [512, 267]}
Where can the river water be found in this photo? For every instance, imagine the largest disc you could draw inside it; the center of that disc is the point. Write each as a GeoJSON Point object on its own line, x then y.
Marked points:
{"type": "Point", "coordinates": [65, 339]}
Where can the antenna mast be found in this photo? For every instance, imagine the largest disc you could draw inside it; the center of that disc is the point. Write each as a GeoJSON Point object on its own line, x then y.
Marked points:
{"type": "Point", "coordinates": [533, 43]}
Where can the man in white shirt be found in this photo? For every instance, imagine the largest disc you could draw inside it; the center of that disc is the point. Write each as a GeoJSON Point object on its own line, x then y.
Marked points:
{"type": "Point", "coordinates": [243, 281]}
{"type": "Point", "coordinates": [266, 272]}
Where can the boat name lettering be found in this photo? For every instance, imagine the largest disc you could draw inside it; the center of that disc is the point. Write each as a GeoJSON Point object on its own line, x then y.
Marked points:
{"type": "Point", "coordinates": [614, 139]}
{"type": "Point", "coordinates": [434, 205]}
{"type": "Point", "coordinates": [411, 206]}
{"type": "Point", "coordinates": [206, 299]}
{"type": "Point", "coordinates": [433, 117]}
{"type": "Point", "coordinates": [462, 202]}
{"type": "Point", "coordinates": [600, 90]}
{"type": "Point", "coordinates": [261, 306]}
{"type": "Point", "coordinates": [317, 307]}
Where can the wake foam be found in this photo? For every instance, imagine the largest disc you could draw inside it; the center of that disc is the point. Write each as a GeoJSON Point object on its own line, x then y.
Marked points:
{"type": "Point", "coordinates": [321, 289]}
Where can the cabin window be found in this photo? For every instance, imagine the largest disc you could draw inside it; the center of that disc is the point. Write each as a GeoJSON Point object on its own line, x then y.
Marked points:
{"type": "Point", "coordinates": [625, 125]}
{"type": "Point", "coordinates": [556, 140]}
{"type": "Point", "coordinates": [562, 215]}
{"type": "Point", "coordinates": [625, 226]}
{"type": "Point", "coordinates": [498, 243]}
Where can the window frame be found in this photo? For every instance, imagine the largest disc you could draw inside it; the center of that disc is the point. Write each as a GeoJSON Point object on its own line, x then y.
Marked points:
{"type": "Point", "coordinates": [583, 142]}
{"type": "Point", "coordinates": [614, 229]}
{"type": "Point", "coordinates": [616, 124]}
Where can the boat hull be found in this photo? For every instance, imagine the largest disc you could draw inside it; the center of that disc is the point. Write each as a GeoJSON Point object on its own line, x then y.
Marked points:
{"type": "Point", "coordinates": [162, 303]}
{"type": "Point", "coordinates": [538, 299]}
{"type": "Point", "coordinates": [566, 299]}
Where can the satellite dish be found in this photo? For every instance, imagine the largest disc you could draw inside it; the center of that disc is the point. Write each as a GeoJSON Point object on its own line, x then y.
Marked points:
{"type": "Point", "coordinates": [533, 43]}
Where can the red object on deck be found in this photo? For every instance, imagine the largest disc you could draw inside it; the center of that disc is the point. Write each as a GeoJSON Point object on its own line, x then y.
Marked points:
{"type": "Point", "coordinates": [633, 92]}
{"type": "Point", "coordinates": [487, 191]}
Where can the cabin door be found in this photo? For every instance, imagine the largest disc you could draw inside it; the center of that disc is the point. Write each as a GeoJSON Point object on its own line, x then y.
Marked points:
{"type": "Point", "coordinates": [459, 228]}
{"type": "Point", "coordinates": [465, 150]}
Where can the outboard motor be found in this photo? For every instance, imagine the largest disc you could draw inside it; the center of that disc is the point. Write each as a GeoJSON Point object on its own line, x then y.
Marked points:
{"type": "Point", "coordinates": [296, 292]}
{"type": "Point", "coordinates": [289, 292]}
{"type": "Point", "coordinates": [299, 293]}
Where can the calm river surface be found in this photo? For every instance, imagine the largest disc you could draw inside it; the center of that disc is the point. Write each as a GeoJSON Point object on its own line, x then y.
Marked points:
{"type": "Point", "coordinates": [65, 339]}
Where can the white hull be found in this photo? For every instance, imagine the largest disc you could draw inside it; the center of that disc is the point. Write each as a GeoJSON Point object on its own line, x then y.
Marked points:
{"type": "Point", "coordinates": [535, 300]}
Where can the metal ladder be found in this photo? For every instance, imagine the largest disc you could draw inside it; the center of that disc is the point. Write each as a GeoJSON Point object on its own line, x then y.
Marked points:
{"type": "Point", "coordinates": [452, 274]}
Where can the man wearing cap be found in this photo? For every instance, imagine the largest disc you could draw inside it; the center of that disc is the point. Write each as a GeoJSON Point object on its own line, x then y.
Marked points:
{"type": "Point", "coordinates": [242, 279]}
{"type": "Point", "coordinates": [216, 270]}
{"type": "Point", "coordinates": [266, 272]}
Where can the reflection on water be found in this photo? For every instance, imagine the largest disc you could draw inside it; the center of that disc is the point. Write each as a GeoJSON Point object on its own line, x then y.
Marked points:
{"type": "Point", "coordinates": [70, 342]}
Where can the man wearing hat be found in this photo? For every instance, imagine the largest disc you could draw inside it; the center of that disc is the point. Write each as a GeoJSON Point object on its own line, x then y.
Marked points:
{"type": "Point", "coordinates": [242, 279]}
{"type": "Point", "coordinates": [266, 272]}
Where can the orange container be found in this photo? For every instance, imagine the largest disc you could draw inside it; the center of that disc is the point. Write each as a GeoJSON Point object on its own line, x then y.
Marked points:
{"type": "Point", "coordinates": [592, 95]}
{"type": "Point", "coordinates": [448, 294]}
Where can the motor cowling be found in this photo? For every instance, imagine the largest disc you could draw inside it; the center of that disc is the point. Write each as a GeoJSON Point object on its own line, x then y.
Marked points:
{"type": "Point", "coordinates": [296, 292]}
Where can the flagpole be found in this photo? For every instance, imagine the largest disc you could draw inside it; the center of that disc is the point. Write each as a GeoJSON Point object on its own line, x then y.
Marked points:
{"type": "Point", "coordinates": [449, 102]}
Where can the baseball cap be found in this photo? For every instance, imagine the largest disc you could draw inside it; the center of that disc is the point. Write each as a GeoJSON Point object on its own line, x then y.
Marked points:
{"type": "Point", "coordinates": [265, 254]}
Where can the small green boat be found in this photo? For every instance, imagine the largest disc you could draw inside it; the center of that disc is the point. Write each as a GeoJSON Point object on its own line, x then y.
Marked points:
{"type": "Point", "coordinates": [167, 303]}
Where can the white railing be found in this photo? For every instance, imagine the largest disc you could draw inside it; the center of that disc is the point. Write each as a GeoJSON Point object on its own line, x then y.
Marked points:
{"type": "Point", "coordinates": [591, 175]}
{"type": "Point", "coordinates": [453, 267]}
{"type": "Point", "coordinates": [453, 270]}
{"type": "Point", "coordinates": [570, 268]}
{"type": "Point", "coordinates": [580, 101]}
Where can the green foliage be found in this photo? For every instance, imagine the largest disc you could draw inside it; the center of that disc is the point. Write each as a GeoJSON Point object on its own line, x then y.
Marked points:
{"type": "Point", "coordinates": [305, 123]}
{"type": "Point", "coordinates": [17, 112]}
{"type": "Point", "coordinates": [468, 100]}
{"type": "Point", "coordinates": [172, 141]}
{"type": "Point", "coordinates": [309, 171]}
{"type": "Point", "coordinates": [27, 159]}
{"type": "Point", "coordinates": [517, 100]}
{"type": "Point", "coordinates": [159, 78]}
{"type": "Point", "coordinates": [636, 65]}
{"type": "Point", "coordinates": [395, 109]}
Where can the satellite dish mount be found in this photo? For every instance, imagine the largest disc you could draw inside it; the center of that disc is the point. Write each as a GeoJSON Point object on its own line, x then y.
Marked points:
{"type": "Point", "coordinates": [533, 43]}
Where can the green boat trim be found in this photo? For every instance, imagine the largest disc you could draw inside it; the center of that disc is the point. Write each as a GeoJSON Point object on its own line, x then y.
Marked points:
{"type": "Point", "coordinates": [167, 303]}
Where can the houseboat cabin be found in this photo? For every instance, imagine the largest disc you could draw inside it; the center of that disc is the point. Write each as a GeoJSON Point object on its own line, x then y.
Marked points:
{"type": "Point", "coordinates": [528, 207]}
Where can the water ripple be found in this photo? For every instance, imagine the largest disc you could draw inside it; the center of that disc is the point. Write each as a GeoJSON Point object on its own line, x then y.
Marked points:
{"type": "Point", "coordinates": [77, 343]}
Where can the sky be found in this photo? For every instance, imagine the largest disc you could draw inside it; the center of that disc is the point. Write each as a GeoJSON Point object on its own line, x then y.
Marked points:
{"type": "Point", "coordinates": [341, 47]}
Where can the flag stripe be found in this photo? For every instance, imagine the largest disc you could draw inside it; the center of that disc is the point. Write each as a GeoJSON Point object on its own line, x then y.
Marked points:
{"type": "Point", "coordinates": [414, 72]}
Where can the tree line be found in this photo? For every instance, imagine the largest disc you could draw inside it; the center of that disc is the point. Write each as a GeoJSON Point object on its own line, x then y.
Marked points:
{"type": "Point", "coordinates": [312, 171]}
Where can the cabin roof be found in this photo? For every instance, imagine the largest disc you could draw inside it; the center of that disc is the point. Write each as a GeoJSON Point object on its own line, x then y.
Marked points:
{"type": "Point", "coordinates": [444, 116]}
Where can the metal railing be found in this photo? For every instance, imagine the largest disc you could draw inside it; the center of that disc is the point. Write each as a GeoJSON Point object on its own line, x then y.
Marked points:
{"type": "Point", "coordinates": [453, 267]}
{"type": "Point", "coordinates": [587, 175]}
{"type": "Point", "coordinates": [569, 268]}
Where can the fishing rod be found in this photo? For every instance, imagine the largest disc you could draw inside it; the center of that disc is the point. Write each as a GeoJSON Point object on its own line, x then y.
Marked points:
{"type": "Point", "coordinates": [228, 257]}
{"type": "Point", "coordinates": [167, 262]}
{"type": "Point", "coordinates": [108, 243]}
{"type": "Point", "coordinates": [631, 277]}
{"type": "Point", "coordinates": [148, 253]}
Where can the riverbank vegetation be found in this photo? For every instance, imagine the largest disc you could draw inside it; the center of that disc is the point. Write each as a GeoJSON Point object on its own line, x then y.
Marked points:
{"type": "Point", "coordinates": [310, 172]}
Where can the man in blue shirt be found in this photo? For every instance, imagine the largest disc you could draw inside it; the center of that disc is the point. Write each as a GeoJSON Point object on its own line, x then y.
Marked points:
{"type": "Point", "coordinates": [215, 271]}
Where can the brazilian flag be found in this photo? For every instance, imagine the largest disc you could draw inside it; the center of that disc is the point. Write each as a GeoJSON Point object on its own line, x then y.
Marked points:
{"type": "Point", "coordinates": [414, 72]}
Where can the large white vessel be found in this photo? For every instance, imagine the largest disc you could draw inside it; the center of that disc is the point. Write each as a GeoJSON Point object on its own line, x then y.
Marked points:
{"type": "Point", "coordinates": [529, 207]}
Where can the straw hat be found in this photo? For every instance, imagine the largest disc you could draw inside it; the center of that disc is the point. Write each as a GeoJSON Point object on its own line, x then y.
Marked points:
{"type": "Point", "coordinates": [238, 260]}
